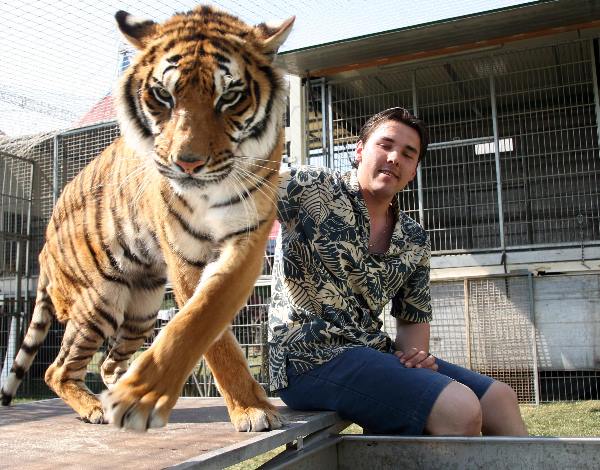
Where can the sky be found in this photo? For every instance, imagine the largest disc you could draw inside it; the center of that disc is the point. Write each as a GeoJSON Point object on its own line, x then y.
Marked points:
{"type": "Point", "coordinates": [60, 57]}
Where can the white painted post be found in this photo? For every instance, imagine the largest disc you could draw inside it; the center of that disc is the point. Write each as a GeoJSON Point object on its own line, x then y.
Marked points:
{"type": "Point", "coordinates": [11, 350]}
{"type": "Point", "coordinates": [295, 133]}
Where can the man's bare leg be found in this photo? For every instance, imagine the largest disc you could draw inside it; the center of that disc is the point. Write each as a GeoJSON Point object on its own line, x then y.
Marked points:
{"type": "Point", "coordinates": [456, 412]}
{"type": "Point", "coordinates": [500, 412]}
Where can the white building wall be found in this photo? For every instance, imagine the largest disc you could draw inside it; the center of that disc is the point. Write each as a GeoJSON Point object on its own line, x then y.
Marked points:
{"type": "Point", "coordinates": [567, 316]}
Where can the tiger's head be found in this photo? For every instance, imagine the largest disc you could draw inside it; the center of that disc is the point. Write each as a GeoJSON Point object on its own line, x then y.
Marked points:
{"type": "Point", "coordinates": [202, 96]}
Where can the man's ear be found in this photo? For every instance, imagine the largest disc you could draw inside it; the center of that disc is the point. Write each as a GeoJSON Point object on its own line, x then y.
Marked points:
{"type": "Point", "coordinates": [359, 151]}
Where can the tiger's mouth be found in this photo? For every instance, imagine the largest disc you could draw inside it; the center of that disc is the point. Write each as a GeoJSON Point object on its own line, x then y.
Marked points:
{"type": "Point", "coordinates": [200, 178]}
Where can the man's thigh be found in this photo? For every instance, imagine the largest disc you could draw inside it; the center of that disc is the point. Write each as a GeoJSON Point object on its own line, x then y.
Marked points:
{"type": "Point", "coordinates": [370, 388]}
{"type": "Point", "coordinates": [478, 383]}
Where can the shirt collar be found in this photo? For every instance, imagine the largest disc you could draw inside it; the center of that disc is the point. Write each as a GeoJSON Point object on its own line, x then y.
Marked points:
{"type": "Point", "coordinates": [351, 181]}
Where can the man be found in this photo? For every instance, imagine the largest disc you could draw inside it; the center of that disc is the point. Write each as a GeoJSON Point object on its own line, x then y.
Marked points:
{"type": "Point", "coordinates": [346, 250]}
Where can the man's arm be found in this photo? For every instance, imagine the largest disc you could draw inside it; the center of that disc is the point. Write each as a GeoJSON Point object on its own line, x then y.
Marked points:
{"type": "Point", "coordinates": [412, 344]}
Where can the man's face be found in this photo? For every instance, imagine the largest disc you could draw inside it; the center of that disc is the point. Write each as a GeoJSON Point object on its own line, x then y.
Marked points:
{"type": "Point", "coordinates": [388, 160]}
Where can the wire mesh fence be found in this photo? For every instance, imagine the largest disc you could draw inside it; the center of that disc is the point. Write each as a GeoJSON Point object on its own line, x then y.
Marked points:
{"type": "Point", "coordinates": [512, 163]}
{"type": "Point", "coordinates": [57, 159]}
{"type": "Point", "coordinates": [501, 326]}
{"type": "Point", "coordinates": [513, 159]}
{"type": "Point", "coordinates": [16, 186]}
{"type": "Point", "coordinates": [77, 148]}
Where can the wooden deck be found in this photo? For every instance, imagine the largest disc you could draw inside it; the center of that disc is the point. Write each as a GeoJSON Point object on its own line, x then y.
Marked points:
{"type": "Point", "coordinates": [48, 435]}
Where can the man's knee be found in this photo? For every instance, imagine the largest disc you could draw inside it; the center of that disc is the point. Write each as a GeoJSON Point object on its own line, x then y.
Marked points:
{"type": "Point", "coordinates": [501, 413]}
{"type": "Point", "coordinates": [501, 394]}
{"type": "Point", "coordinates": [456, 412]}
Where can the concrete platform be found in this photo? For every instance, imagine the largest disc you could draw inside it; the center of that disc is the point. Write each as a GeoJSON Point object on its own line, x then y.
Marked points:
{"type": "Point", "coordinates": [48, 435]}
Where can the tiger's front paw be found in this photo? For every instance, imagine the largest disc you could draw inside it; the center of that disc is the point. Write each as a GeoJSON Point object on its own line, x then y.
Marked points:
{"type": "Point", "coordinates": [256, 418]}
{"type": "Point", "coordinates": [94, 416]}
{"type": "Point", "coordinates": [140, 400]}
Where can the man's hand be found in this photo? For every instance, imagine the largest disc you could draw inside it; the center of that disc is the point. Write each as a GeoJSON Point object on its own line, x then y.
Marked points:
{"type": "Point", "coordinates": [415, 358]}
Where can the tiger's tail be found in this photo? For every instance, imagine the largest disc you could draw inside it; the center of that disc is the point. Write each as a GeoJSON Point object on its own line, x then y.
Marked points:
{"type": "Point", "coordinates": [41, 319]}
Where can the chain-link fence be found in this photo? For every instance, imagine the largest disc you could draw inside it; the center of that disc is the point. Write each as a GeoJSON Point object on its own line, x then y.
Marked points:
{"type": "Point", "coordinates": [513, 159]}
{"type": "Point", "coordinates": [29, 188]}
{"type": "Point", "coordinates": [513, 164]}
{"type": "Point", "coordinates": [510, 328]}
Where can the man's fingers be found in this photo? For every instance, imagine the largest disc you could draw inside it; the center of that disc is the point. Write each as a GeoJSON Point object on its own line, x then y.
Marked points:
{"type": "Point", "coordinates": [428, 362]}
{"type": "Point", "coordinates": [412, 352]}
{"type": "Point", "coordinates": [407, 355]}
{"type": "Point", "coordinates": [432, 364]}
{"type": "Point", "coordinates": [416, 357]}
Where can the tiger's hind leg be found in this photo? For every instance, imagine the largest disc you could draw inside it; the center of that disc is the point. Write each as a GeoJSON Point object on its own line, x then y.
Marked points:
{"type": "Point", "coordinates": [138, 325]}
{"type": "Point", "coordinates": [247, 403]}
{"type": "Point", "coordinates": [41, 319]}
{"type": "Point", "coordinates": [130, 337]}
{"type": "Point", "coordinates": [66, 375]}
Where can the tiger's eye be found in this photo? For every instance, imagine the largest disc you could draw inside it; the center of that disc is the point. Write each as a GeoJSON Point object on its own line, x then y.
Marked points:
{"type": "Point", "coordinates": [163, 93]}
{"type": "Point", "coordinates": [229, 95]}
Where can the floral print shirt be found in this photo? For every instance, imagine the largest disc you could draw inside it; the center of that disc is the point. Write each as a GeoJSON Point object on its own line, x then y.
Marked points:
{"type": "Point", "coordinates": [328, 291]}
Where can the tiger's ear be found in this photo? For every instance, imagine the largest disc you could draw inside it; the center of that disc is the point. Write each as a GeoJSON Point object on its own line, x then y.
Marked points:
{"type": "Point", "coordinates": [274, 35]}
{"type": "Point", "coordinates": [137, 31]}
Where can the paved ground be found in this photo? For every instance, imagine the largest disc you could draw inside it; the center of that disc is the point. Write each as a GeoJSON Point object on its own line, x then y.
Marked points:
{"type": "Point", "coordinates": [47, 435]}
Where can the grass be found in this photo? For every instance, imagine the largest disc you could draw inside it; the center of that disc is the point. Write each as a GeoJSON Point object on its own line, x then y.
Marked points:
{"type": "Point", "coordinates": [562, 419]}
{"type": "Point", "coordinates": [25, 400]}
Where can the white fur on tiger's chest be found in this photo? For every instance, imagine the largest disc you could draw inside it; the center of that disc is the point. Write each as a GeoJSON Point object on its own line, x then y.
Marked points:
{"type": "Point", "coordinates": [205, 228]}
{"type": "Point", "coordinates": [228, 220]}
{"type": "Point", "coordinates": [212, 218]}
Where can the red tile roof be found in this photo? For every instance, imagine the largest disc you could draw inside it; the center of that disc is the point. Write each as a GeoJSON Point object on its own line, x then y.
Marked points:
{"type": "Point", "coordinates": [274, 230]}
{"type": "Point", "coordinates": [102, 111]}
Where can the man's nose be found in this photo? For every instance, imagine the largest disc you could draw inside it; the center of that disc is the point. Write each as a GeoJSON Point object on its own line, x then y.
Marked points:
{"type": "Point", "coordinates": [393, 157]}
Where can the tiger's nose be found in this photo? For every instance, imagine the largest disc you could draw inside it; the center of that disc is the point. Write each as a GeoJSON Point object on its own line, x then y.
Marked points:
{"type": "Point", "coordinates": [190, 166]}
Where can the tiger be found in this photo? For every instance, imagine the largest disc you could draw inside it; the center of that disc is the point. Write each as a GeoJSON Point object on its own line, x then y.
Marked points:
{"type": "Point", "coordinates": [186, 194]}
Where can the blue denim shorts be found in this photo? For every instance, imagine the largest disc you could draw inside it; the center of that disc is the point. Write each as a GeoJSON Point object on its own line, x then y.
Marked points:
{"type": "Point", "coordinates": [376, 391]}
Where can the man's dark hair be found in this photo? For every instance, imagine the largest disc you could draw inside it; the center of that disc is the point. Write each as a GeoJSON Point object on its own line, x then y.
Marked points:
{"type": "Point", "coordinates": [400, 115]}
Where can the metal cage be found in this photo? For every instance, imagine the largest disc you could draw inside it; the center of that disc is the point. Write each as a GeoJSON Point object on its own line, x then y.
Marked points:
{"type": "Point", "coordinates": [513, 159]}
{"type": "Point", "coordinates": [513, 164]}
